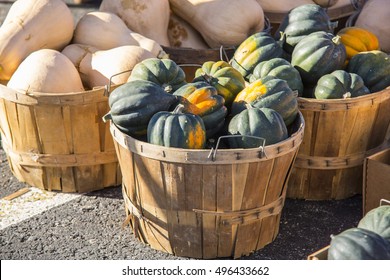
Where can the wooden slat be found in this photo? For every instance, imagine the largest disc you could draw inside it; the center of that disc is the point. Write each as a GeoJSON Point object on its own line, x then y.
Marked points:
{"type": "Point", "coordinates": [16, 194]}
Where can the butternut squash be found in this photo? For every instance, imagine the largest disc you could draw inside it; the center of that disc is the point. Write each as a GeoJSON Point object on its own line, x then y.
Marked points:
{"type": "Point", "coordinates": [221, 22]}
{"type": "Point", "coordinates": [182, 35]}
{"type": "Point", "coordinates": [281, 6]}
{"type": "Point", "coordinates": [31, 25]}
{"type": "Point", "coordinates": [375, 17]}
{"type": "Point", "coordinates": [104, 31]}
{"type": "Point", "coordinates": [46, 70]}
{"type": "Point", "coordinates": [96, 67]}
{"type": "Point", "coordinates": [147, 17]}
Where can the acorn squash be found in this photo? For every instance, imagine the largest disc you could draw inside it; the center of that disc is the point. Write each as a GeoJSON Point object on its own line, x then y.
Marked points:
{"type": "Point", "coordinates": [177, 129]}
{"type": "Point", "coordinates": [378, 221]}
{"type": "Point", "coordinates": [221, 75]}
{"type": "Point", "coordinates": [279, 68]}
{"type": "Point", "coordinates": [164, 72]}
{"type": "Point", "coordinates": [264, 123]}
{"type": "Point", "coordinates": [340, 84]}
{"type": "Point", "coordinates": [268, 92]}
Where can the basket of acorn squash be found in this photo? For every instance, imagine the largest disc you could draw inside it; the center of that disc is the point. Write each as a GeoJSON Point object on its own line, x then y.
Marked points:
{"type": "Point", "coordinates": [205, 163]}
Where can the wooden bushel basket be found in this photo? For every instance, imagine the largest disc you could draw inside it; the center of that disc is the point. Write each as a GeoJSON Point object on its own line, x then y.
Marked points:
{"type": "Point", "coordinates": [58, 142]}
{"type": "Point", "coordinates": [205, 203]}
{"type": "Point", "coordinates": [339, 134]}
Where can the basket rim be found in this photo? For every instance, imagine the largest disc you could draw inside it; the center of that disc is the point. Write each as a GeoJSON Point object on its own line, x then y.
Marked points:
{"type": "Point", "coordinates": [344, 104]}
{"type": "Point", "coordinates": [202, 156]}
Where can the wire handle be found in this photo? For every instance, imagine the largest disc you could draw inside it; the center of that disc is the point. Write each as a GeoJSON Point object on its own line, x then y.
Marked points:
{"type": "Point", "coordinates": [107, 88]}
{"type": "Point", "coordinates": [384, 201]}
{"type": "Point", "coordinates": [213, 151]}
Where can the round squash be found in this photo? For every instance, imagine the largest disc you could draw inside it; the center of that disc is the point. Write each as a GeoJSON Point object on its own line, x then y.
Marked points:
{"type": "Point", "coordinates": [279, 68]}
{"type": "Point", "coordinates": [205, 102]}
{"type": "Point", "coordinates": [133, 104]}
{"type": "Point", "coordinates": [255, 49]}
{"type": "Point", "coordinates": [300, 22]}
{"type": "Point", "coordinates": [164, 72]}
{"type": "Point", "coordinates": [378, 221]}
{"type": "Point", "coordinates": [356, 40]}
{"type": "Point", "coordinates": [265, 123]}
{"type": "Point", "coordinates": [373, 67]}
{"type": "Point", "coordinates": [177, 129]}
{"type": "Point", "coordinates": [268, 92]}
{"type": "Point", "coordinates": [358, 244]}
{"type": "Point", "coordinates": [318, 54]}
{"type": "Point", "coordinates": [48, 71]}
{"type": "Point", "coordinates": [221, 75]}
{"type": "Point", "coordinates": [340, 84]}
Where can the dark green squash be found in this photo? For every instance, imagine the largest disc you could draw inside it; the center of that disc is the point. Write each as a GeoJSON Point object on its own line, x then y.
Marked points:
{"type": "Point", "coordinates": [378, 221]}
{"type": "Point", "coordinates": [300, 22]}
{"type": "Point", "coordinates": [373, 67]}
{"type": "Point", "coordinates": [164, 72]}
{"type": "Point", "coordinates": [221, 75]}
{"type": "Point", "coordinates": [265, 123]}
{"type": "Point", "coordinates": [268, 92]}
{"type": "Point", "coordinates": [340, 84]}
{"type": "Point", "coordinates": [204, 101]}
{"type": "Point", "coordinates": [134, 103]}
{"type": "Point", "coordinates": [358, 244]}
{"type": "Point", "coordinates": [318, 54]}
{"type": "Point", "coordinates": [177, 129]}
{"type": "Point", "coordinates": [279, 68]}
{"type": "Point", "coordinates": [255, 49]}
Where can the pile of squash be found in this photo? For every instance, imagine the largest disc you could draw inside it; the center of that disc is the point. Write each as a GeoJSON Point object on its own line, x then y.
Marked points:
{"type": "Point", "coordinates": [370, 240]}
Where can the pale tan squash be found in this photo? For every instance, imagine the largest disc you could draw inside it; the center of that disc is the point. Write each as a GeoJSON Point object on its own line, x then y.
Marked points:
{"type": "Point", "coordinates": [325, 3]}
{"type": "Point", "coordinates": [96, 67]}
{"type": "Point", "coordinates": [147, 17]}
{"type": "Point", "coordinates": [281, 6]}
{"type": "Point", "coordinates": [46, 70]}
{"type": "Point", "coordinates": [375, 17]}
{"type": "Point", "coordinates": [31, 25]}
{"type": "Point", "coordinates": [104, 31]}
{"type": "Point", "coordinates": [182, 35]}
{"type": "Point", "coordinates": [221, 22]}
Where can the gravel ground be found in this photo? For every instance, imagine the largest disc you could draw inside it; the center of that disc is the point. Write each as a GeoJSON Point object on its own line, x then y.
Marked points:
{"type": "Point", "coordinates": [90, 226]}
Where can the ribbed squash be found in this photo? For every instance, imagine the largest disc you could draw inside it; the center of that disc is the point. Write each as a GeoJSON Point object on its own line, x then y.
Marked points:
{"type": "Point", "coordinates": [356, 40]}
{"type": "Point", "coordinates": [340, 84]}
{"type": "Point", "coordinates": [164, 72]}
{"type": "Point", "coordinates": [221, 75]}
{"type": "Point", "coordinates": [358, 244]}
{"type": "Point", "coordinates": [205, 102]}
{"type": "Point", "coordinates": [279, 68]}
{"type": "Point", "coordinates": [373, 67]}
{"type": "Point", "coordinates": [133, 104]}
{"type": "Point", "coordinates": [300, 22]}
{"type": "Point", "coordinates": [177, 129]}
{"type": "Point", "coordinates": [318, 54]}
{"type": "Point", "coordinates": [268, 92]}
{"type": "Point", "coordinates": [265, 123]}
{"type": "Point", "coordinates": [378, 221]}
{"type": "Point", "coordinates": [255, 49]}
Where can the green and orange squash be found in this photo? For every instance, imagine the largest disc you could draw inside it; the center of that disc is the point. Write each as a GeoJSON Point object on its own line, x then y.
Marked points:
{"type": "Point", "coordinates": [268, 92]}
{"type": "Point", "coordinates": [177, 129]}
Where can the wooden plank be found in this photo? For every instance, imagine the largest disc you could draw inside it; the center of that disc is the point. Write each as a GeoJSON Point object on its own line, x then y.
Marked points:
{"type": "Point", "coordinates": [209, 222]}
{"type": "Point", "coordinates": [16, 194]}
{"type": "Point", "coordinates": [224, 203]}
{"type": "Point", "coordinates": [151, 197]}
{"type": "Point", "coordinates": [256, 186]}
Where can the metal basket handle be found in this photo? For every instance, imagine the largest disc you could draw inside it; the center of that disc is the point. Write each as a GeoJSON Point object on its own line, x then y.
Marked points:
{"type": "Point", "coordinates": [213, 151]}
{"type": "Point", "coordinates": [107, 88]}
{"type": "Point", "coordinates": [383, 202]}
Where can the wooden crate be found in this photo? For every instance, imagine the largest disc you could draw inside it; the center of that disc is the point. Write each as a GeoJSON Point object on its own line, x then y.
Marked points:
{"type": "Point", "coordinates": [339, 134]}
{"type": "Point", "coordinates": [376, 183]}
{"type": "Point", "coordinates": [58, 142]}
{"type": "Point", "coordinates": [192, 204]}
